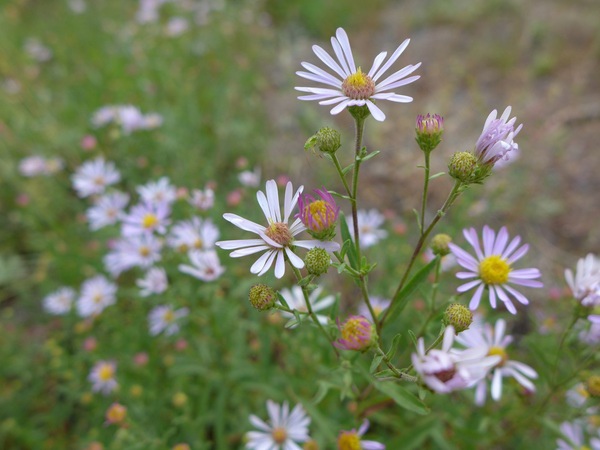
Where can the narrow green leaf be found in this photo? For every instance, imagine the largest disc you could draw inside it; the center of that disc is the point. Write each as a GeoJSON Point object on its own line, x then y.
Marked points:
{"type": "Point", "coordinates": [439, 174]}
{"type": "Point", "coordinates": [401, 396]}
{"type": "Point", "coordinates": [370, 155]}
{"type": "Point", "coordinates": [352, 257]}
{"type": "Point", "coordinates": [395, 342]}
{"type": "Point", "coordinates": [375, 363]}
{"type": "Point", "coordinates": [347, 169]}
{"type": "Point", "coordinates": [282, 300]}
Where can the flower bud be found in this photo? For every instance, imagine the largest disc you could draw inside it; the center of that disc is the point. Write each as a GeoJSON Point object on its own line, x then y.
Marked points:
{"type": "Point", "coordinates": [592, 385]}
{"type": "Point", "coordinates": [357, 334]}
{"type": "Point", "coordinates": [326, 140]}
{"type": "Point", "coordinates": [317, 261]}
{"type": "Point", "coordinates": [429, 131]}
{"type": "Point", "coordinates": [319, 215]}
{"type": "Point", "coordinates": [310, 445]}
{"type": "Point", "coordinates": [462, 166]}
{"type": "Point", "coordinates": [116, 414]}
{"type": "Point", "coordinates": [439, 244]}
{"type": "Point", "coordinates": [179, 399]}
{"type": "Point", "coordinates": [262, 297]}
{"type": "Point", "coordinates": [459, 316]}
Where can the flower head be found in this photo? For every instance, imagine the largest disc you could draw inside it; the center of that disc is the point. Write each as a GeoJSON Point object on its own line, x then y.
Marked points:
{"type": "Point", "coordinates": [491, 268]}
{"type": "Point", "coordinates": [102, 377]}
{"type": "Point", "coordinates": [154, 282]}
{"type": "Point", "coordinates": [107, 210]}
{"type": "Point", "coordinates": [96, 294]}
{"type": "Point", "coordinates": [496, 139]}
{"type": "Point", "coordinates": [116, 414]}
{"type": "Point", "coordinates": [205, 265]}
{"type": "Point", "coordinates": [284, 430]}
{"type": "Point", "coordinates": [92, 177]}
{"type": "Point", "coordinates": [575, 440]}
{"type": "Point", "coordinates": [319, 215]}
{"type": "Point", "coordinates": [368, 226]}
{"type": "Point", "coordinates": [585, 282]}
{"type": "Point", "coordinates": [277, 238]}
{"type": "Point", "coordinates": [164, 318]}
{"type": "Point", "coordinates": [494, 341]}
{"type": "Point", "coordinates": [444, 371]}
{"type": "Point", "coordinates": [351, 440]}
{"type": "Point", "coordinates": [351, 86]}
{"type": "Point", "coordinates": [161, 191]}
{"type": "Point", "coordinates": [429, 131]}
{"type": "Point", "coordinates": [194, 234]}
{"type": "Point", "coordinates": [203, 200]}
{"type": "Point", "coordinates": [146, 218]}
{"type": "Point", "coordinates": [59, 302]}
{"type": "Point", "coordinates": [357, 334]}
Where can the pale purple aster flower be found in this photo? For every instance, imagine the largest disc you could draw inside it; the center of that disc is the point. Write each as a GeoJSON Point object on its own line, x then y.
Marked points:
{"type": "Point", "coordinates": [205, 265]}
{"type": "Point", "coordinates": [176, 26]}
{"type": "Point", "coordinates": [250, 178]}
{"type": "Point", "coordinates": [145, 218]}
{"type": "Point", "coordinates": [277, 238]}
{"type": "Point", "coordinates": [295, 300]}
{"type": "Point", "coordinates": [161, 191]}
{"type": "Point", "coordinates": [445, 371]}
{"type": "Point", "coordinates": [164, 318]}
{"type": "Point", "coordinates": [585, 282]}
{"type": "Point", "coordinates": [283, 431]}
{"type": "Point", "coordinates": [134, 251]}
{"type": "Point", "coordinates": [193, 234]}
{"type": "Point", "coordinates": [379, 305]}
{"type": "Point", "coordinates": [92, 177]}
{"type": "Point", "coordinates": [492, 268]}
{"type": "Point", "coordinates": [32, 166]}
{"type": "Point", "coordinates": [102, 377]}
{"type": "Point", "coordinates": [130, 118]}
{"type": "Point", "coordinates": [319, 215]}
{"type": "Point", "coordinates": [368, 227]}
{"type": "Point", "coordinates": [59, 302]}
{"type": "Point", "coordinates": [103, 116]}
{"type": "Point", "coordinates": [203, 200]}
{"type": "Point", "coordinates": [96, 294]}
{"type": "Point", "coordinates": [496, 139]}
{"type": "Point", "coordinates": [494, 341]}
{"type": "Point", "coordinates": [351, 86]}
{"type": "Point", "coordinates": [352, 439]}
{"type": "Point", "coordinates": [575, 439]}
{"type": "Point", "coordinates": [429, 124]}
{"type": "Point", "coordinates": [357, 334]}
{"type": "Point", "coordinates": [154, 282]}
{"type": "Point", "coordinates": [107, 210]}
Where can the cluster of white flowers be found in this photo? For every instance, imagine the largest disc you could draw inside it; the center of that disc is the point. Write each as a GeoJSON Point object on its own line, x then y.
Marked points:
{"type": "Point", "coordinates": [128, 117]}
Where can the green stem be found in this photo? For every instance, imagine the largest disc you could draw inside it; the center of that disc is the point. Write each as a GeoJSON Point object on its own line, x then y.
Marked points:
{"type": "Point", "coordinates": [434, 291]}
{"type": "Point", "coordinates": [425, 189]}
{"type": "Point", "coordinates": [454, 193]}
{"type": "Point", "coordinates": [340, 171]}
{"type": "Point", "coordinates": [398, 373]}
{"type": "Point", "coordinates": [312, 315]}
{"type": "Point", "coordinates": [360, 127]}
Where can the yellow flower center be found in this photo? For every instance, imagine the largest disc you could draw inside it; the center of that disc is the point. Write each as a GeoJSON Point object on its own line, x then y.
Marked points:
{"type": "Point", "coordinates": [349, 440]}
{"type": "Point", "coordinates": [150, 220]}
{"type": "Point", "coordinates": [280, 233]}
{"type": "Point", "coordinates": [97, 298]}
{"type": "Point", "coordinates": [584, 447]}
{"type": "Point", "coordinates": [99, 180]}
{"type": "Point", "coordinates": [116, 413]}
{"type": "Point", "coordinates": [279, 435]}
{"type": "Point", "coordinates": [169, 316]}
{"type": "Point", "coordinates": [320, 214]}
{"type": "Point", "coordinates": [352, 329]}
{"type": "Point", "coordinates": [198, 243]}
{"type": "Point", "coordinates": [106, 372]}
{"type": "Point", "coordinates": [494, 270]}
{"type": "Point", "coordinates": [499, 351]}
{"type": "Point", "coordinates": [144, 251]}
{"type": "Point", "coordinates": [358, 86]}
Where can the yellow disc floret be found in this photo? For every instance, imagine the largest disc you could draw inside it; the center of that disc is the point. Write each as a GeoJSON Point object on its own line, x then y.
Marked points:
{"type": "Point", "coordinates": [280, 233]}
{"type": "Point", "coordinates": [358, 86]}
{"type": "Point", "coordinates": [149, 220]}
{"type": "Point", "coordinates": [106, 372]}
{"type": "Point", "coordinates": [349, 440]}
{"type": "Point", "coordinates": [499, 351]}
{"type": "Point", "coordinates": [279, 435]}
{"type": "Point", "coordinates": [494, 270]}
{"type": "Point", "coordinates": [320, 214]}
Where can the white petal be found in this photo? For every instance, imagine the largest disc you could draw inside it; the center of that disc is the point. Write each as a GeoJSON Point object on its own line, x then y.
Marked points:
{"type": "Point", "coordinates": [342, 38]}
{"type": "Point", "coordinates": [392, 59]}
{"type": "Point", "coordinates": [279, 265]}
{"type": "Point", "coordinates": [375, 111]}
{"type": "Point", "coordinates": [329, 61]}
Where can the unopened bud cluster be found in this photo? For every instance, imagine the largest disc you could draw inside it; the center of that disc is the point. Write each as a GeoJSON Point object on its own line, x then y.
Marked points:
{"type": "Point", "coordinates": [326, 140]}
{"type": "Point", "coordinates": [459, 316]}
{"type": "Point", "coordinates": [317, 261]}
{"type": "Point", "coordinates": [262, 297]}
{"type": "Point", "coordinates": [429, 131]}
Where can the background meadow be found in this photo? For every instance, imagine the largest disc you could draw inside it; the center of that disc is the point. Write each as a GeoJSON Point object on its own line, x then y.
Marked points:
{"type": "Point", "coordinates": [220, 76]}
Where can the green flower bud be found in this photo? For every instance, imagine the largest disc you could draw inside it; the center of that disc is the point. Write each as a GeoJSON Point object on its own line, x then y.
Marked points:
{"type": "Point", "coordinates": [262, 297]}
{"type": "Point", "coordinates": [459, 316]}
{"type": "Point", "coordinates": [359, 112]}
{"type": "Point", "coordinates": [317, 261]}
{"type": "Point", "coordinates": [326, 140]}
{"type": "Point", "coordinates": [439, 244]}
{"type": "Point", "coordinates": [462, 166]}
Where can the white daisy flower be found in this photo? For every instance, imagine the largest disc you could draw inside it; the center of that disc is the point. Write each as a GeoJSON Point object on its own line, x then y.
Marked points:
{"type": "Point", "coordinates": [102, 377]}
{"type": "Point", "coordinates": [130, 118]}
{"type": "Point", "coordinates": [96, 294]}
{"type": "Point", "coordinates": [445, 371]}
{"type": "Point", "coordinates": [154, 282]}
{"type": "Point", "coordinates": [205, 265]}
{"type": "Point", "coordinates": [59, 302]}
{"type": "Point", "coordinates": [495, 342]}
{"type": "Point", "coordinates": [146, 218]}
{"type": "Point", "coordinates": [194, 234]}
{"type": "Point", "coordinates": [164, 318]}
{"type": "Point", "coordinates": [277, 238]}
{"type": "Point", "coordinates": [350, 440]}
{"type": "Point", "coordinates": [203, 200]}
{"type": "Point", "coordinates": [585, 282]}
{"type": "Point", "coordinates": [295, 300]}
{"type": "Point", "coordinates": [134, 251]}
{"type": "Point", "coordinates": [107, 210]}
{"type": "Point", "coordinates": [161, 191]}
{"type": "Point", "coordinates": [32, 166]}
{"type": "Point", "coordinates": [351, 86]}
{"type": "Point", "coordinates": [368, 227]}
{"type": "Point", "coordinates": [496, 141]}
{"type": "Point", "coordinates": [92, 177]}
{"type": "Point", "coordinates": [492, 268]}
{"type": "Point", "coordinates": [284, 430]}
{"type": "Point", "coordinates": [379, 305]}
{"type": "Point", "coordinates": [250, 178]}
{"type": "Point", "coordinates": [575, 440]}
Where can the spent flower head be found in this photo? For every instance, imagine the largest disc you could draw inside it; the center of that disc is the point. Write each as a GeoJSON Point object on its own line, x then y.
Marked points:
{"type": "Point", "coordinates": [491, 268]}
{"type": "Point", "coordinates": [350, 86]}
